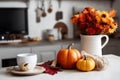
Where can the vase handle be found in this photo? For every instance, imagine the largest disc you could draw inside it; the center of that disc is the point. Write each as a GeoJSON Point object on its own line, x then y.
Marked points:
{"type": "Point", "coordinates": [106, 40]}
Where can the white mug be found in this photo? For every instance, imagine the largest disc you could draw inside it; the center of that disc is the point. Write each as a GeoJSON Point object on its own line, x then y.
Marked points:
{"type": "Point", "coordinates": [27, 58]}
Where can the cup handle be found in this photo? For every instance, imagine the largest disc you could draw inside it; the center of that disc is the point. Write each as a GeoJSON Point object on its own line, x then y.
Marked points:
{"type": "Point", "coordinates": [106, 40]}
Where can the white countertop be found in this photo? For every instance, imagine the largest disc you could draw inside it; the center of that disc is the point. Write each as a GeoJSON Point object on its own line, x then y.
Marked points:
{"type": "Point", "coordinates": [111, 73]}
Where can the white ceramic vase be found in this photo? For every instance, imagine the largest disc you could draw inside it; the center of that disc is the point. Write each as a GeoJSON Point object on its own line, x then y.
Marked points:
{"type": "Point", "coordinates": [93, 44]}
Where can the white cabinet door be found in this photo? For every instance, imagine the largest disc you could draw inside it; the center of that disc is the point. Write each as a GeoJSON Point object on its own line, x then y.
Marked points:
{"type": "Point", "coordinates": [48, 55]}
{"type": "Point", "coordinates": [11, 52]}
{"type": "Point", "coordinates": [47, 52]}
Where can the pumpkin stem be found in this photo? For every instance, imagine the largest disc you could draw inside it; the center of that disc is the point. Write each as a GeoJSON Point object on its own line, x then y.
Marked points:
{"type": "Point", "coordinates": [70, 45]}
{"type": "Point", "coordinates": [85, 57]}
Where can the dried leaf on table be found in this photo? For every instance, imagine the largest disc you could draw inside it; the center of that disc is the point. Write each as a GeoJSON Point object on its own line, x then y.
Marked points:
{"type": "Point", "coordinates": [50, 69]}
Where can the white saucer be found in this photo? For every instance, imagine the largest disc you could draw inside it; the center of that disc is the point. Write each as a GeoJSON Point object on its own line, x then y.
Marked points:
{"type": "Point", "coordinates": [35, 71]}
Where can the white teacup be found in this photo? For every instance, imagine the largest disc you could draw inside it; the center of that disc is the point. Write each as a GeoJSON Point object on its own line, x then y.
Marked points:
{"type": "Point", "coordinates": [28, 59]}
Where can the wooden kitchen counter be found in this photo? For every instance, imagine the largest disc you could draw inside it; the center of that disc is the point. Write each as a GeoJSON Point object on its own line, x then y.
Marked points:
{"type": "Point", "coordinates": [39, 43]}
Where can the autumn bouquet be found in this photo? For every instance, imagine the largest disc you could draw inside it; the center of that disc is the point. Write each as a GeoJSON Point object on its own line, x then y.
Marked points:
{"type": "Point", "coordinates": [95, 22]}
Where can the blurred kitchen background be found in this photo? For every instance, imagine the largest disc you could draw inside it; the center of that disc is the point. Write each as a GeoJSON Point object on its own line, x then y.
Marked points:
{"type": "Point", "coordinates": [51, 20]}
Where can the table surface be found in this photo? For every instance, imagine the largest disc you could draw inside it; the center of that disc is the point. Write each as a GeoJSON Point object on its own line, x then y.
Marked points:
{"type": "Point", "coordinates": [111, 73]}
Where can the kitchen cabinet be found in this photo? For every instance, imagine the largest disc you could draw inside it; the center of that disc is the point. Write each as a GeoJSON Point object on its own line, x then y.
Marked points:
{"type": "Point", "coordinates": [11, 52]}
{"type": "Point", "coordinates": [47, 52]}
{"type": "Point", "coordinates": [44, 52]}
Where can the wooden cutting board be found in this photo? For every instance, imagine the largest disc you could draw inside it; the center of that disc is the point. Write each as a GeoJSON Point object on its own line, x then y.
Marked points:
{"type": "Point", "coordinates": [64, 28]}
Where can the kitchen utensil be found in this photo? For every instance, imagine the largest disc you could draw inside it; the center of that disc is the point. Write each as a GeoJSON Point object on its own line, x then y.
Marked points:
{"type": "Point", "coordinates": [64, 29]}
{"type": "Point", "coordinates": [59, 33]}
{"type": "Point", "coordinates": [50, 7]}
{"type": "Point", "coordinates": [59, 14]}
{"type": "Point", "coordinates": [43, 8]}
{"type": "Point", "coordinates": [38, 12]}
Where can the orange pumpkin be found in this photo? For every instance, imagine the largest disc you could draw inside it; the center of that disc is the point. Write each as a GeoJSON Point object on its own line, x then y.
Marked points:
{"type": "Point", "coordinates": [85, 64]}
{"type": "Point", "coordinates": [67, 58]}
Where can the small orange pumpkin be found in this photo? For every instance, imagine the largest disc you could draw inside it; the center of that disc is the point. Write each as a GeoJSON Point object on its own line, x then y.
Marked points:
{"type": "Point", "coordinates": [67, 58]}
{"type": "Point", "coordinates": [85, 64]}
